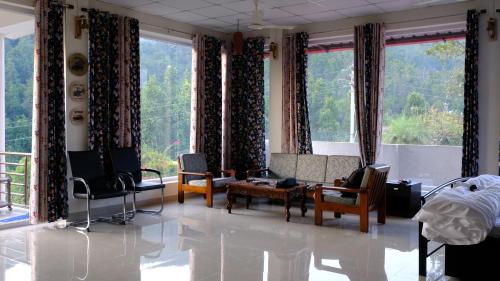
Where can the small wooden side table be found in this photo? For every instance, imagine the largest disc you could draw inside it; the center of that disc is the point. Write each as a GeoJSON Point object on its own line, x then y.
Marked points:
{"type": "Point", "coordinates": [8, 202]}
{"type": "Point", "coordinates": [251, 190]}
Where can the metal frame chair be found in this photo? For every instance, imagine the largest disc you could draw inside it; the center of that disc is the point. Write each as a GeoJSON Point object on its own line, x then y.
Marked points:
{"type": "Point", "coordinates": [127, 166]}
{"type": "Point", "coordinates": [91, 183]}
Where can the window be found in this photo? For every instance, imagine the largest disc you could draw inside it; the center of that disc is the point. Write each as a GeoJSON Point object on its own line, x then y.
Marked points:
{"type": "Point", "coordinates": [423, 99]}
{"type": "Point", "coordinates": [165, 103]}
{"type": "Point", "coordinates": [330, 99]}
{"type": "Point", "coordinates": [18, 93]}
{"type": "Point", "coordinates": [18, 111]}
{"type": "Point", "coordinates": [423, 105]}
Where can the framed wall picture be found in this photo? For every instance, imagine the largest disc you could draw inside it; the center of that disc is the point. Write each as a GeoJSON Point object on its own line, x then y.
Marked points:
{"type": "Point", "coordinates": [77, 91]}
{"type": "Point", "coordinates": [77, 116]}
{"type": "Point", "coordinates": [78, 64]}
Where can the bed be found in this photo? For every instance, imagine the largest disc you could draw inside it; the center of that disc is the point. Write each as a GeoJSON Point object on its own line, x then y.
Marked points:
{"type": "Point", "coordinates": [464, 260]}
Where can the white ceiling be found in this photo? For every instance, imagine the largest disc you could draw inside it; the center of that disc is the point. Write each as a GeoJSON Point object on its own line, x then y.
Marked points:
{"type": "Point", "coordinates": [222, 15]}
{"type": "Point", "coordinates": [14, 25]}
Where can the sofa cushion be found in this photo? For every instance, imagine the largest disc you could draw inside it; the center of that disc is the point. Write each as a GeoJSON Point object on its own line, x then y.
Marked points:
{"type": "Point", "coordinates": [311, 167]}
{"type": "Point", "coordinates": [283, 165]}
{"type": "Point", "coordinates": [339, 166]}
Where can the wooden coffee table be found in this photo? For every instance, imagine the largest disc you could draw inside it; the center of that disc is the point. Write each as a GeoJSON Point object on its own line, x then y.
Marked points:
{"type": "Point", "coordinates": [253, 190]}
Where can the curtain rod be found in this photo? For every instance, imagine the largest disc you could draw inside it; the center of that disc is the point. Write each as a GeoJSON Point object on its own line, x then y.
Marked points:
{"type": "Point", "coordinates": [85, 10]}
{"type": "Point", "coordinates": [483, 11]}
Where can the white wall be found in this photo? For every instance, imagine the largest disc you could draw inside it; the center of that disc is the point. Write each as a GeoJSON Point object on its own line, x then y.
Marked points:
{"type": "Point", "coordinates": [429, 164]}
{"type": "Point", "coordinates": [489, 90]}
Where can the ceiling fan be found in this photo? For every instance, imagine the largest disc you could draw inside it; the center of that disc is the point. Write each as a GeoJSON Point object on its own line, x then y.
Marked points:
{"type": "Point", "coordinates": [259, 24]}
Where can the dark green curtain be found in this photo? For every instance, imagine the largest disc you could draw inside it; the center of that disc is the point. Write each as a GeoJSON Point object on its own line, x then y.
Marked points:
{"type": "Point", "coordinates": [48, 189]}
{"type": "Point", "coordinates": [369, 60]}
{"type": "Point", "coordinates": [470, 148]}
{"type": "Point", "coordinates": [296, 131]}
{"type": "Point", "coordinates": [206, 133]}
{"type": "Point", "coordinates": [114, 83]}
{"type": "Point", "coordinates": [247, 148]}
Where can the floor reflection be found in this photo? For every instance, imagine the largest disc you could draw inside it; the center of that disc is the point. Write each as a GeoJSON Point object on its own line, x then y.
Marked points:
{"type": "Point", "coordinates": [192, 242]}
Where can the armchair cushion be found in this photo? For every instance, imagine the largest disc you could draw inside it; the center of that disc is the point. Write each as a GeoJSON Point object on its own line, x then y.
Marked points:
{"type": "Point", "coordinates": [193, 162]}
{"type": "Point", "coordinates": [217, 182]}
{"type": "Point", "coordinates": [336, 197]}
{"type": "Point", "coordinates": [339, 166]}
{"type": "Point", "coordinates": [311, 167]}
{"type": "Point", "coordinates": [283, 165]}
{"type": "Point", "coordinates": [354, 181]}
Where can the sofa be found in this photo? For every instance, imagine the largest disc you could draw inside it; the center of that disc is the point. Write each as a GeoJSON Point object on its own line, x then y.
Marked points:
{"type": "Point", "coordinates": [310, 169]}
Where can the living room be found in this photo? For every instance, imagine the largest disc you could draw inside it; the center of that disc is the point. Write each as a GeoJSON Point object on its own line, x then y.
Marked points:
{"type": "Point", "coordinates": [225, 139]}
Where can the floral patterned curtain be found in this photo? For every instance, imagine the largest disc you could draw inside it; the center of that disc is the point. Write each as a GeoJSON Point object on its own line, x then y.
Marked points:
{"type": "Point", "coordinates": [369, 64]}
{"type": "Point", "coordinates": [206, 100]}
{"type": "Point", "coordinates": [470, 148]}
{"type": "Point", "coordinates": [114, 83]}
{"type": "Point", "coordinates": [247, 108]}
{"type": "Point", "coordinates": [48, 191]}
{"type": "Point", "coordinates": [296, 132]}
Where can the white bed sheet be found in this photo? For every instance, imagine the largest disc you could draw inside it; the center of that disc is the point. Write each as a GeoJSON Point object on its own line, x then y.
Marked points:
{"type": "Point", "coordinates": [458, 216]}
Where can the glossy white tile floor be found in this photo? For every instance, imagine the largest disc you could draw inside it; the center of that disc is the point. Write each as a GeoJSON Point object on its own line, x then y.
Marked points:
{"type": "Point", "coordinates": [192, 242]}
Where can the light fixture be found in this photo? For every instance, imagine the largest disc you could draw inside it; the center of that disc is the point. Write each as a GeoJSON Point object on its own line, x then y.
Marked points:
{"type": "Point", "coordinates": [81, 23]}
{"type": "Point", "coordinates": [492, 29]}
{"type": "Point", "coordinates": [273, 47]}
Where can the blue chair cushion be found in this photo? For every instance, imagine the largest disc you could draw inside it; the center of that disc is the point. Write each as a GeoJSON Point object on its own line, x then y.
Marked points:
{"type": "Point", "coordinates": [217, 182]}
{"type": "Point", "coordinates": [195, 163]}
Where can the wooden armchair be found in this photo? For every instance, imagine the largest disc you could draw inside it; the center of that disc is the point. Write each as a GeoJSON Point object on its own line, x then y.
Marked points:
{"type": "Point", "coordinates": [370, 197]}
{"type": "Point", "coordinates": [193, 176]}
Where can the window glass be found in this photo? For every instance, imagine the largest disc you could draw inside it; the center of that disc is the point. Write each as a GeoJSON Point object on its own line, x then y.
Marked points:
{"type": "Point", "coordinates": [423, 98]}
{"type": "Point", "coordinates": [331, 105]}
{"type": "Point", "coordinates": [165, 103]}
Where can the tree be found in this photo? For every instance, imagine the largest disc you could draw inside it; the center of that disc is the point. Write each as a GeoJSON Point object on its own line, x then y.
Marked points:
{"type": "Point", "coordinates": [415, 105]}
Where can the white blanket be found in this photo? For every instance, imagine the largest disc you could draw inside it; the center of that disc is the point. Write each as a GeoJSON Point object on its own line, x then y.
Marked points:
{"type": "Point", "coordinates": [458, 216]}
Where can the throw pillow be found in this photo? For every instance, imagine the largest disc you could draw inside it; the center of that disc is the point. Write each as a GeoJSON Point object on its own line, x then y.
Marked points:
{"type": "Point", "coordinates": [353, 181]}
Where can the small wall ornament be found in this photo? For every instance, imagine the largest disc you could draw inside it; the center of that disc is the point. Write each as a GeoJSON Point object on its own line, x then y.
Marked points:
{"type": "Point", "coordinates": [77, 116]}
{"type": "Point", "coordinates": [78, 64]}
{"type": "Point", "coordinates": [78, 91]}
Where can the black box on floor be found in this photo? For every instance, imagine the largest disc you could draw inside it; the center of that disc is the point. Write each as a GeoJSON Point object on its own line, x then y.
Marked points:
{"type": "Point", "coordinates": [403, 199]}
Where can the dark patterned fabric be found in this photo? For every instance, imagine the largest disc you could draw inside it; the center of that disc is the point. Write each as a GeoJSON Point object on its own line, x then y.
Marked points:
{"type": "Point", "coordinates": [102, 78]}
{"type": "Point", "coordinates": [135, 87]}
{"type": "Point", "coordinates": [369, 63]}
{"type": "Point", "coordinates": [247, 108]}
{"type": "Point", "coordinates": [295, 129]}
{"type": "Point", "coordinates": [206, 134]}
{"type": "Point", "coordinates": [470, 153]}
{"type": "Point", "coordinates": [57, 193]}
{"type": "Point", "coordinates": [114, 83]}
{"type": "Point", "coordinates": [48, 190]}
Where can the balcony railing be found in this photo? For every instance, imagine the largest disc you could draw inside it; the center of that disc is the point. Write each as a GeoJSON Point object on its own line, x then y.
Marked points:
{"type": "Point", "coordinates": [16, 165]}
